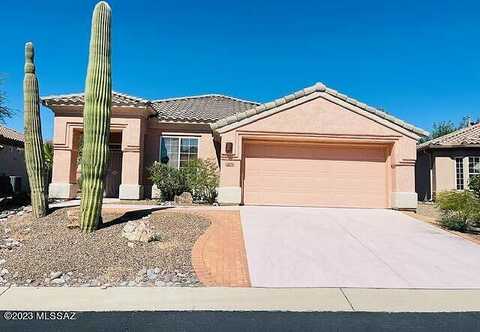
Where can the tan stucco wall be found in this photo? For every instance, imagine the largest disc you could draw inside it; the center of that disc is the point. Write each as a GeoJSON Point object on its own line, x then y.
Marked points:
{"type": "Point", "coordinates": [316, 119]}
{"type": "Point", "coordinates": [444, 174]}
{"type": "Point", "coordinates": [154, 132]}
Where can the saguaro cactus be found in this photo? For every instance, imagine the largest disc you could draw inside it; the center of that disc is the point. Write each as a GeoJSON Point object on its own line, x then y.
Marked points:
{"type": "Point", "coordinates": [96, 118]}
{"type": "Point", "coordinates": [33, 136]}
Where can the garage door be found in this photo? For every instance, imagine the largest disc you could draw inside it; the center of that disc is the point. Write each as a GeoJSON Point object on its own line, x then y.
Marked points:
{"type": "Point", "coordinates": [315, 175]}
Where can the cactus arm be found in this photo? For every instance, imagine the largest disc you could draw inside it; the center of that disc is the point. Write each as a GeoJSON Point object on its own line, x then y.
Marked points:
{"type": "Point", "coordinates": [96, 115]}
{"type": "Point", "coordinates": [34, 158]}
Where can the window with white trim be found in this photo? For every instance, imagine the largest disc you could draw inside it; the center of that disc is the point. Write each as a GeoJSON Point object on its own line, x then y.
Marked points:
{"type": "Point", "coordinates": [459, 173]}
{"type": "Point", "coordinates": [178, 151]}
{"type": "Point", "coordinates": [473, 166]}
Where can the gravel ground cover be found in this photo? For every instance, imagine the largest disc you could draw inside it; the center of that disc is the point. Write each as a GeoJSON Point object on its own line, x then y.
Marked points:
{"type": "Point", "coordinates": [46, 252]}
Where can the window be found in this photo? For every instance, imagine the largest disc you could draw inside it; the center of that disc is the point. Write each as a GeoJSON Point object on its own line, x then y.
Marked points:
{"type": "Point", "coordinates": [178, 151]}
{"type": "Point", "coordinates": [459, 173]}
{"type": "Point", "coordinates": [473, 166]}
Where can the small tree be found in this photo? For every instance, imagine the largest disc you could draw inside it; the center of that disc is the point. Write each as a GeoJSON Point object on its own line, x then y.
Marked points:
{"type": "Point", "coordinates": [474, 185]}
{"type": "Point", "coordinates": [5, 112]}
{"type": "Point", "coordinates": [48, 155]}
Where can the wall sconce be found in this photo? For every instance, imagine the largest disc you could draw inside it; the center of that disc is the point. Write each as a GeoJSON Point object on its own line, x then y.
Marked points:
{"type": "Point", "coordinates": [229, 147]}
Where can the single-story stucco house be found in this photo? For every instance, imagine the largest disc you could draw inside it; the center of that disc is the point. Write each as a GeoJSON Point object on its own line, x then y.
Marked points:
{"type": "Point", "coordinates": [12, 161]}
{"type": "Point", "coordinates": [447, 162]}
{"type": "Point", "coordinates": [315, 147]}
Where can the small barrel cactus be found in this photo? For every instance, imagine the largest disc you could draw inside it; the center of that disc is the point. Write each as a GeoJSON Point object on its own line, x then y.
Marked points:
{"type": "Point", "coordinates": [34, 158]}
{"type": "Point", "coordinates": [96, 118]}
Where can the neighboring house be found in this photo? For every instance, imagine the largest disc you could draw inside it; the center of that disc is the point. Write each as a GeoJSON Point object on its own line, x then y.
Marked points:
{"type": "Point", "coordinates": [12, 160]}
{"type": "Point", "coordinates": [316, 147]}
{"type": "Point", "coordinates": [447, 162]}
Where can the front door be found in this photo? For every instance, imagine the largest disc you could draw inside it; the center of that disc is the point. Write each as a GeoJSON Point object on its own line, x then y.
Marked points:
{"type": "Point", "coordinates": [113, 177]}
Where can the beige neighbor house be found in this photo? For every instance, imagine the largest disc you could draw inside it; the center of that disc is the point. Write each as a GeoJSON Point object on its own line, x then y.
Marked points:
{"type": "Point", "coordinates": [447, 162]}
{"type": "Point", "coordinates": [315, 147]}
{"type": "Point", "coordinates": [12, 160]}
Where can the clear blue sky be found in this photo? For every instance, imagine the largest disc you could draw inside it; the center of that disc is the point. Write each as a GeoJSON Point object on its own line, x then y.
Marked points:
{"type": "Point", "coordinates": [419, 60]}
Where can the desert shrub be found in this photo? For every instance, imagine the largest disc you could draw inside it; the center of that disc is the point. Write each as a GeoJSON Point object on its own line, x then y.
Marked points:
{"type": "Point", "coordinates": [202, 179]}
{"type": "Point", "coordinates": [474, 185]}
{"type": "Point", "coordinates": [170, 181]}
{"type": "Point", "coordinates": [459, 209]}
{"type": "Point", "coordinates": [199, 177]}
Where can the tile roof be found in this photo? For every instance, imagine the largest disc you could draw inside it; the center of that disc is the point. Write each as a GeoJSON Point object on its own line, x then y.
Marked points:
{"type": "Point", "coordinates": [11, 134]}
{"type": "Point", "coordinates": [77, 99]}
{"type": "Point", "coordinates": [463, 137]}
{"type": "Point", "coordinates": [319, 87]}
{"type": "Point", "coordinates": [204, 108]}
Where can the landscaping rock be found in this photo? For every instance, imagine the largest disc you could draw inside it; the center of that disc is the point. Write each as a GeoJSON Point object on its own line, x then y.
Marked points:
{"type": "Point", "coordinates": [151, 275]}
{"type": "Point", "coordinates": [2, 261]}
{"type": "Point", "coordinates": [73, 218]}
{"type": "Point", "coordinates": [184, 199]}
{"type": "Point", "coordinates": [139, 230]}
{"type": "Point", "coordinates": [55, 275]}
{"type": "Point", "coordinates": [58, 281]}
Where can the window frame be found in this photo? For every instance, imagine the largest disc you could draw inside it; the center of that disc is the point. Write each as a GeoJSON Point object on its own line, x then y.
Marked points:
{"type": "Point", "coordinates": [459, 174]}
{"type": "Point", "coordinates": [179, 138]}
{"type": "Point", "coordinates": [476, 160]}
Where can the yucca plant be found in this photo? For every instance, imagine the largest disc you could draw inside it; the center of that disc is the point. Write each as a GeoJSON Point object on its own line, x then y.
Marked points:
{"type": "Point", "coordinates": [34, 158]}
{"type": "Point", "coordinates": [96, 118]}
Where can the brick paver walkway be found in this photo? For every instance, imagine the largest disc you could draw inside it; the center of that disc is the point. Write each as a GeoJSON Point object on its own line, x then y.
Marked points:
{"type": "Point", "coordinates": [219, 256]}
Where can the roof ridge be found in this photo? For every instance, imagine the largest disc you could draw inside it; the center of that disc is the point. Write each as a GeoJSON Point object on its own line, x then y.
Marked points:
{"type": "Point", "coordinates": [448, 136]}
{"type": "Point", "coordinates": [81, 94]}
{"type": "Point", "coordinates": [205, 96]}
{"type": "Point", "coordinates": [317, 87]}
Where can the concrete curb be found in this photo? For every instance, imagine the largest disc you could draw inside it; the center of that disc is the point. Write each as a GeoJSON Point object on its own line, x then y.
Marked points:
{"type": "Point", "coordinates": [238, 299]}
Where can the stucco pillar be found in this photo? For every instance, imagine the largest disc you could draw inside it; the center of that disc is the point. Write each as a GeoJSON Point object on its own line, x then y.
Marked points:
{"type": "Point", "coordinates": [229, 190]}
{"type": "Point", "coordinates": [64, 184]}
{"type": "Point", "coordinates": [132, 160]}
{"type": "Point", "coordinates": [403, 195]}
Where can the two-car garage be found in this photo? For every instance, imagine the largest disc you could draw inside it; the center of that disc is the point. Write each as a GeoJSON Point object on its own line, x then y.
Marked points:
{"type": "Point", "coordinates": [317, 147]}
{"type": "Point", "coordinates": [312, 174]}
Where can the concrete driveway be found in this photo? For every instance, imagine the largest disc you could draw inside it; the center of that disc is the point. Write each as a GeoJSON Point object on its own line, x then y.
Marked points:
{"type": "Point", "coordinates": [329, 247]}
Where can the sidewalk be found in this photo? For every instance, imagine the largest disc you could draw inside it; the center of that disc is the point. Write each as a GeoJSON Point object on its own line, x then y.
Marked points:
{"type": "Point", "coordinates": [238, 299]}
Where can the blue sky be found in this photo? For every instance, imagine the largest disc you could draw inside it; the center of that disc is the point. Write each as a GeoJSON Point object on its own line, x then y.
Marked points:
{"type": "Point", "coordinates": [418, 60]}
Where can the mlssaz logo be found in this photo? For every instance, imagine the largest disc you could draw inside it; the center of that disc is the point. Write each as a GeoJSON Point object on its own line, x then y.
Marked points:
{"type": "Point", "coordinates": [55, 315]}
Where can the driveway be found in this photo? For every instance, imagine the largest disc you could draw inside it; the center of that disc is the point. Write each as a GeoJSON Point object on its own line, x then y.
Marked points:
{"type": "Point", "coordinates": [329, 247]}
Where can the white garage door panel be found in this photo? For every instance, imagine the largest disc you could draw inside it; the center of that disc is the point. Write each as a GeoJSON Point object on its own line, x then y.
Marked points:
{"type": "Point", "coordinates": [315, 175]}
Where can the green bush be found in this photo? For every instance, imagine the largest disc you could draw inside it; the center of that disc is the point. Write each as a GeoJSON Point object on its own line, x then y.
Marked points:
{"type": "Point", "coordinates": [168, 180]}
{"type": "Point", "coordinates": [474, 185]}
{"type": "Point", "coordinates": [198, 177]}
{"type": "Point", "coordinates": [202, 179]}
{"type": "Point", "coordinates": [459, 209]}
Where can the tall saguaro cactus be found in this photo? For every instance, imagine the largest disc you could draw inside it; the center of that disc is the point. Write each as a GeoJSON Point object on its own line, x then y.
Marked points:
{"type": "Point", "coordinates": [96, 118]}
{"type": "Point", "coordinates": [34, 158]}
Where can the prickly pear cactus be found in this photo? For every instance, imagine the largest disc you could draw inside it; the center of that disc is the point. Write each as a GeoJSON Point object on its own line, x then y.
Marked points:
{"type": "Point", "coordinates": [96, 118]}
{"type": "Point", "coordinates": [34, 158]}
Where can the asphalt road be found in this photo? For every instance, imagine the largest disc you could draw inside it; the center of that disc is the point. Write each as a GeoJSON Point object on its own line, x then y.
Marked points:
{"type": "Point", "coordinates": [249, 321]}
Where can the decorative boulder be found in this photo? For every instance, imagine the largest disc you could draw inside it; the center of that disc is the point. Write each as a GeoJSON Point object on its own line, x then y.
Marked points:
{"type": "Point", "coordinates": [139, 230]}
{"type": "Point", "coordinates": [184, 199]}
{"type": "Point", "coordinates": [73, 218]}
